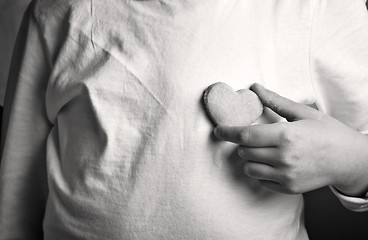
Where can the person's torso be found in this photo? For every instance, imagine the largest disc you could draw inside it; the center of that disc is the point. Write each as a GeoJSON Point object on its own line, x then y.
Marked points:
{"type": "Point", "coordinates": [132, 154]}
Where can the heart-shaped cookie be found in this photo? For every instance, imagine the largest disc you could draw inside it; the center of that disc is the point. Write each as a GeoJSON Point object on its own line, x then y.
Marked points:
{"type": "Point", "coordinates": [229, 108]}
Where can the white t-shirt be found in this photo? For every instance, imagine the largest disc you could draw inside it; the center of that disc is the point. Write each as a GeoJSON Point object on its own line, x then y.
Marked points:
{"type": "Point", "coordinates": [105, 132]}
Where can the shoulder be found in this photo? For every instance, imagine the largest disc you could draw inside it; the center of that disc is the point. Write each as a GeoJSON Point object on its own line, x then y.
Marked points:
{"type": "Point", "coordinates": [49, 11]}
{"type": "Point", "coordinates": [57, 21]}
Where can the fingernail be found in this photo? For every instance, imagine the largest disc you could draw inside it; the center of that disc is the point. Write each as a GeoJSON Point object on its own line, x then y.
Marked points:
{"type": "Point", "coordinates": [215, 131]}
{"type": "Point", "coordinates": [255, 86]}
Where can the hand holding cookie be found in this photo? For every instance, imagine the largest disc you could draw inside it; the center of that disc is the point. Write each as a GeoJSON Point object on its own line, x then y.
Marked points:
{"type": "Point", "coordinates": [226, 107]}
{"type": "Point", "coordinates": [310, 151]}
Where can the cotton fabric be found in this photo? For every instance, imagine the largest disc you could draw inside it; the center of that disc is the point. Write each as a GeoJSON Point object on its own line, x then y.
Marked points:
{"type": "Point", "coordinates": [105, 135]}
{"type": "Point", "coordinates": [11, 12]}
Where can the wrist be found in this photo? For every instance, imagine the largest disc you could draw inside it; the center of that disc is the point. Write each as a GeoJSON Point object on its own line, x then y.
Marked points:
{"type": "Point", "coordinates": [355, 182]}
{"type": "Point", "coordinates": [353, 191]}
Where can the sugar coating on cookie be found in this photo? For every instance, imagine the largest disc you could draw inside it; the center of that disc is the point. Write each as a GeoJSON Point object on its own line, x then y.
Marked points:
{"type": "Point", "coordinates": [227, 107]}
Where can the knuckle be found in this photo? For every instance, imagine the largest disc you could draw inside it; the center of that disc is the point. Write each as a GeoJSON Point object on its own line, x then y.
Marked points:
{"type": "Point", "coordinates": [242, 152]}
{"type": "Point", "coordinates": [249, 170]}
{"type": "Point", "coordinates": [245, 136]}
{"type": "Point", "coordinates": [290, 183]}
{"type": "Point", "coordinates": [288, 158]}
{"type": "Point", "coordinates": [283, 160]}
{"type": "Point", "coordinates": [289, 178]}
{"type": "Point", "coordinates": [287, 136]}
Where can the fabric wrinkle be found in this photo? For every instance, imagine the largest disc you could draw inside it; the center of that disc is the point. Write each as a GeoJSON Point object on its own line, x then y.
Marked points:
{"type": "Point", "coordinates": [130, 151]}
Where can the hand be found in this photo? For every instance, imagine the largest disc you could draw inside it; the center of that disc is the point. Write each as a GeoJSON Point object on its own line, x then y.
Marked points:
{"type": "Point", "coordinates": [309, 151]}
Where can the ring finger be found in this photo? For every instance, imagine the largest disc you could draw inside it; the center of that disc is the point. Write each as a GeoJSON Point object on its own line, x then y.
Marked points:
{"type": "Point", "coordinates": [261, 171]}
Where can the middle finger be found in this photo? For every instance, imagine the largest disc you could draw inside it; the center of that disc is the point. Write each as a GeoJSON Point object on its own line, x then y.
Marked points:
{"type": "Point", "coordinates": [267, 155]}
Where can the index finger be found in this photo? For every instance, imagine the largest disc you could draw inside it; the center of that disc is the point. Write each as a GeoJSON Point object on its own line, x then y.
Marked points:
{"type": "Point", "coordinates": [263, 135]}
{"type": "Point", "coordinates": [284, 107]}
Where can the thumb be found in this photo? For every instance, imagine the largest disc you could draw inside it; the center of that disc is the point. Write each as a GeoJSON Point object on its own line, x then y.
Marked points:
{"type": "Point", "coordinates": [284, 107]}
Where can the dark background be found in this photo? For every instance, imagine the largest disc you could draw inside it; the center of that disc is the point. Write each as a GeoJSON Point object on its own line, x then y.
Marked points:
{"type": "Point", "coordinates": [326, 218]}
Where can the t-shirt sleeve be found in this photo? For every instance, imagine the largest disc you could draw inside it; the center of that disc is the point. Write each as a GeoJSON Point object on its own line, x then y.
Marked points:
{"type": "Point", "coordinates": [11, 12]}
{"type": "Point", "coordinates": [339, 67]}
{"type": "Point", "coordinates": [23, 185]}
{"type": "Point", "coordinates": [357, 204]}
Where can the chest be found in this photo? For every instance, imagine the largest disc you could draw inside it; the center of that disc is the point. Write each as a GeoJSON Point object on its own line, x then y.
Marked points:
{"type": "Point", "coordinates": [175, 51]}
